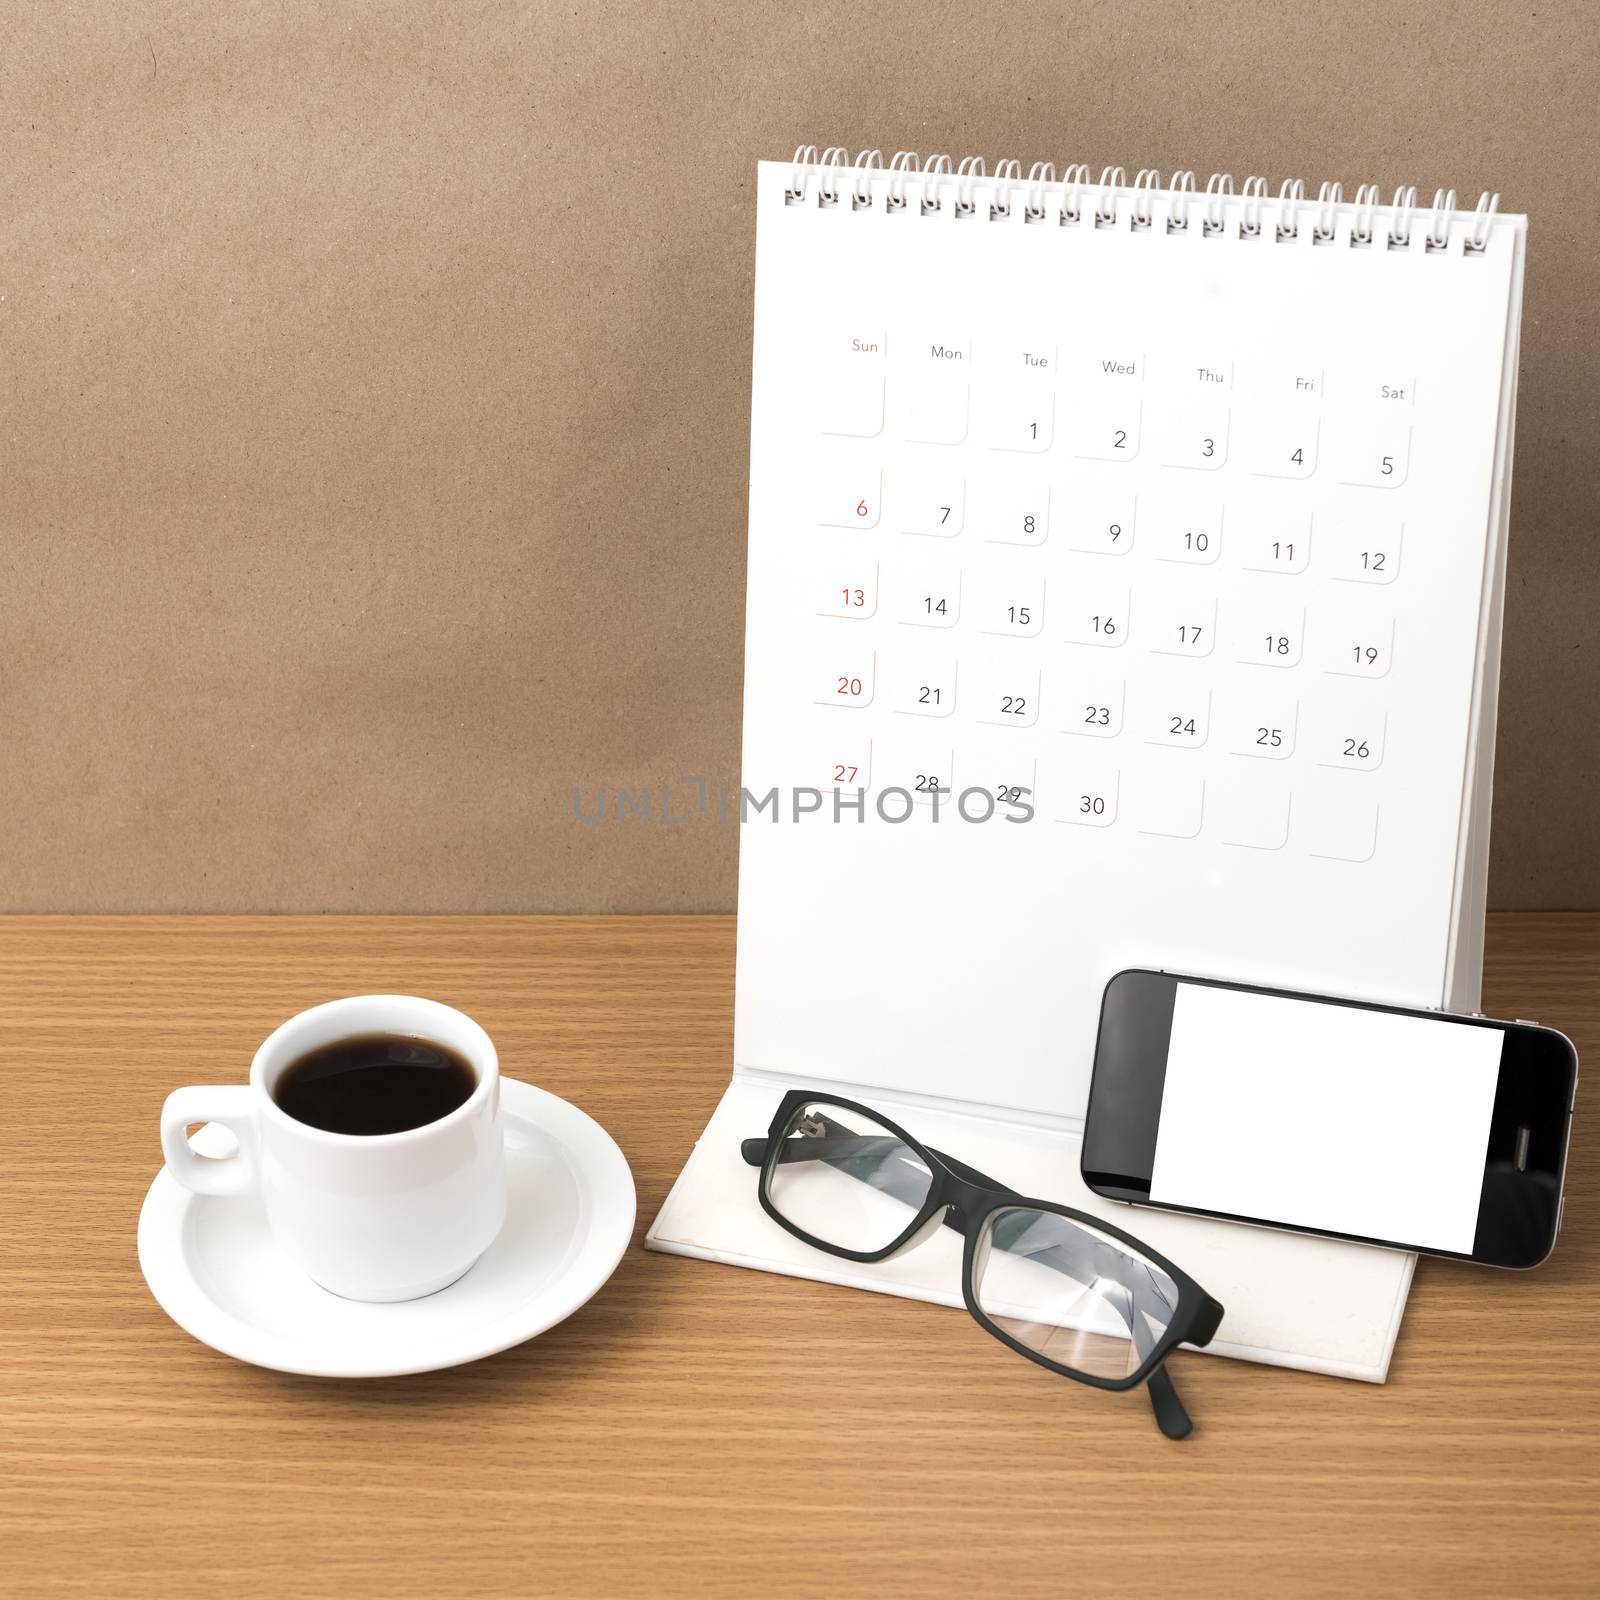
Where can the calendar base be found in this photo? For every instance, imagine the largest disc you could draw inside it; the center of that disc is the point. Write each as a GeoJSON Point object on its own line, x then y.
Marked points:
{"type": "Point", "coordinates": [1292, 1301]}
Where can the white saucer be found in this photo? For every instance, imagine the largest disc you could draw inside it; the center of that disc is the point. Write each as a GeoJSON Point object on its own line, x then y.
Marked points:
{"type": "Point", "coordinates": [213, 1267]}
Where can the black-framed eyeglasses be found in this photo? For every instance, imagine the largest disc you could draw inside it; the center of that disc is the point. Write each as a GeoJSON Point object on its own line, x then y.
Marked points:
{"type": "Point", "coordinates": [1065, 1289]}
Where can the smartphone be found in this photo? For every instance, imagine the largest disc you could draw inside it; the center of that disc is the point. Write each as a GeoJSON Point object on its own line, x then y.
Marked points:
{"type": "Point", "coordinates": [1417, 1130]}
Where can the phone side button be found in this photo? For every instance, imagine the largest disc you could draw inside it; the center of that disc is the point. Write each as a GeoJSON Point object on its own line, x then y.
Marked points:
{"type": "Point", "coordinates": [1561, 1211]}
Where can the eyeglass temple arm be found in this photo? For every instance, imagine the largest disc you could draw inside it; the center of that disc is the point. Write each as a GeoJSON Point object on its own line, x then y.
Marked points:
{"type": "Point", "coordinates": [1171, 1418]}
{"type": "Point", "coordinates": [831, 1146]}
{"type": "Point", "coordinates": [827, 1147]}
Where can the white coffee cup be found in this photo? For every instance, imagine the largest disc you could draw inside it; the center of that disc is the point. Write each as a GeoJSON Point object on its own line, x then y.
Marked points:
{"type": "Point", "coordinates": [389, 1216]}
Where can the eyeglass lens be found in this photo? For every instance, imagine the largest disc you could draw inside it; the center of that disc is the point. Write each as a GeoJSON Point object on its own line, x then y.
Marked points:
{"type": "Point", "coordinates": [844, 1178]}
{"type": "Point", "coordinates": [1071, 1293]}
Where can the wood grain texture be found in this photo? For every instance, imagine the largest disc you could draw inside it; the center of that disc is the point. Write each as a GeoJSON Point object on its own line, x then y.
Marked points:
{"type": "Point", "coordinates": [698, 1429]}
{"type": "Point", "coordinates": [375, 383]}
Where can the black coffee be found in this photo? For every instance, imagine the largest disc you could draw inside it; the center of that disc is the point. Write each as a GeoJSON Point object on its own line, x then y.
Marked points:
{"type": "Point", "coordinates": [375, 1083]}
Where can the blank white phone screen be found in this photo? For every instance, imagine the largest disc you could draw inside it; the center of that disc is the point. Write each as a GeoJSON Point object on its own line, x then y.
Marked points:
{"type": "Point", "coordinates": [1326, 1116]}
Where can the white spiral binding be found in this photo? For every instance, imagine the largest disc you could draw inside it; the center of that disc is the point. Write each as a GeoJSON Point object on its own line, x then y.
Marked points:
{"type": "Point", "coordinates": [1112, 181]}
{"type": "Point", "coordinates": [866, 163]}
{"type": "Point", "coordinates": [1075, 178]}
{"type": "Point", "coordinates": [833, 158]}
{"type": "Point", "coordinates": [1291, 196]}
{"type": "Point", "coordinates": [904, 163]}
{"type": "Point", "coordinates": [1254, 193]}
{"type": "Point", "coordinates": [1482, 221]}
{"type": "Point", "coordinates": [1329, 198]}
{"type": "Point", "coordinates": [1182, 193]}
{"type": "Point", "coordinates": [1218, 189]}
{"type": "Point", "coordinates": [967, 176]}
{"type": "Point", "coordinates": [1366, 207]}
{"type": "Point", "coordinates": [1438, 235]}
{"type": "Point", "coordinates": [1040, 175]}
{"type": "Point", "coordinates": [1077, 199]}
{"type": "Point", "coordinates": [1144, 188]}
{"type": "Point", "coordinates": [1403, 204]}
{"type": "Point", "coordinates": [1007, 174]}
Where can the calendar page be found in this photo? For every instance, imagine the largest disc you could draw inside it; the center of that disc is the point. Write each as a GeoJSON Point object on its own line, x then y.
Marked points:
{"type": "Point", "coordinates": [1116, 598]}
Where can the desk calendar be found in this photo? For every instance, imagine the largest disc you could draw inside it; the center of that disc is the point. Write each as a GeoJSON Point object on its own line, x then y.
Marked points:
{"type": "Point", "coordinates": [1125, 571]}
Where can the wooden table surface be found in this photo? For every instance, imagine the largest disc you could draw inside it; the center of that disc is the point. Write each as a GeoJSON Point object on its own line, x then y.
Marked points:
{"type": "Point", "coordinates": [698, 1429]}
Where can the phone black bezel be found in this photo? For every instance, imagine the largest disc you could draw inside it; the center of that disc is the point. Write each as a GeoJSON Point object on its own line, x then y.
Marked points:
{"type": "Point", "coordinates": [1526, 1043]}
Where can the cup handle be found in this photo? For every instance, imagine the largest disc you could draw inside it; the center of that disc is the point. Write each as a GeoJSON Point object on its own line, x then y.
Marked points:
{"type": "Point", "coordinates": [232, 1106]}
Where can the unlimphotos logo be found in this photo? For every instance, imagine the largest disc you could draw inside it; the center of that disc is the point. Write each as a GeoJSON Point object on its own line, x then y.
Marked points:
{"type": "Point", "coordinates": [693, 799]}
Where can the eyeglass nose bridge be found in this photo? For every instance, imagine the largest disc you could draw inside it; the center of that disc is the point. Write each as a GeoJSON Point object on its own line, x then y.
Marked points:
{"type": "Point", "coordinates": [962, 1200]}
{"type": "Point", "coordinates": [958, 1201]}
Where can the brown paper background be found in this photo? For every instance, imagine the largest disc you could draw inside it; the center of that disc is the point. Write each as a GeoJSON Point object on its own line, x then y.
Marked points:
{"type": "Point", "coordinates": [374, 392]}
